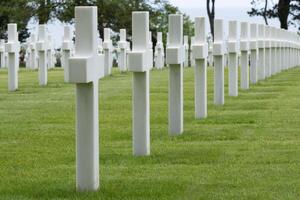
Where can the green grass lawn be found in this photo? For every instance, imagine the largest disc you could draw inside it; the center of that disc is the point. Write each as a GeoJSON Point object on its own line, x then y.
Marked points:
{"type": "Point", "coordinates": [247, 149]}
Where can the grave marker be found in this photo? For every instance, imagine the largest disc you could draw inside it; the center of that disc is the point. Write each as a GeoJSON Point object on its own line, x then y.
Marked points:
{"type": "Point", "coordinates": [268, 56]}
{"type": "Point", "coordinates": [123, 51]}
{"type": "Point", "coordinates": [83, 71]}
{"type": "Point", "coordinates": [261, 46]}
{"type": "Point", "coordinates": [2, 52]}
{"type": "Point", "coordinates": [108, 48]}
{"type": "Point", "coordinates": [232, 59]}
{"type": "Point", "coordinates": [159, 52]}
{"type": "Point", "coordinates": [12, 47]}
{"type": "Point", "coordinates": [186, 52]}
{"type": "Point", "coordinates": [218, 57]}
{"type": "Point", "coordinates": [33, 53]}
{"type": "Point", "coordinates": [150, 51]}
{"type": "Point", "coordinates": [200, 53]}
{"type": "Point", "coordinates": [138, 63]}
{"type": "Point", "coordinates": [244, 45]}
{"type": "Point", "coordinates": [41, 46]}
{"type": "Point", "coordinates": [254, 53]}
{"type": "Point", "coordinates": [67, 45]}
{"type": "Point", "coordinates": [175, 59]}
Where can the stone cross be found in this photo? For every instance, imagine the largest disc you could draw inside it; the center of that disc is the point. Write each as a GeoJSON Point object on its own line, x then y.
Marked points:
{"type": "Point", "coordinates": [261, 47]}
{"type": "Point", "coordinates": [273, 50]}
{"type": "Point", "coordinates": [282, 44]}
{"type": "Point", "coordinates": [2, 52]}
{"type": "Point", "coordinates": [83, 71]}
{"type": "Point", "coordinates": [159, 52]}
{"type": "Point", "coordinates": [12, 47]}
{"type": "Point", "coordinates": [108, 48]}
{"type": "Point", "coordinates": [232, 59]}
{"type": "Point", "coordinates": [175, 59]}
{"type": "Point", "coordinates": [67, 45]}
{"type": "Point", "coordinates": [254, 53]}
{"type": "Point", "coordinates": [122, 44]}
{"type": "Point", "coordinates": [33, 52]}
{"type": "Point", "coordinates": [218, 54]}
{"type": "Point", "coordinates": [27, 54]}
{"type": "Point", "coordinates": [49, 52]}
{"type": "Point", "coordinates": [138, 63]}
{"type": "Point", "coordinates": [41, 46]}
{"type": "Point", "coordinates": [192, 59]}
{"type": "Point", "coordinates": [200, 53]}
{"type": "Point", "coordinates": [150, 50]}
{"type": "Point", "coordinates": [186, 51]}
{"type": "Point", "coordinates": [268, 51]}
{"type": "Point", "coordinates": [244, 45]}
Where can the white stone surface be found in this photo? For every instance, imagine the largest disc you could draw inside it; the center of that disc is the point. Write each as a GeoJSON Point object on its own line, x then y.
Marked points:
{"type": "Point", "coordinates": [84, 71]}
{"type": "Point", "coordinates": [268, 57]}
{"type": "Point", "coordinates": [233, 49]}
{"type": "Point", "coordinates": [254, 53]}
{"type": "Point", "coordinates": [150, 51]}
{"type": "Point", "coordinates": [200, 53]}
{"type": "Point", "coordinates": [192, 59]}
{"type": "Point", "coordinates": [140, 91]}
{"type": "Point", "coordinates": [108, 49]}
{"type": "Point", "coordinates": [261, 47]}
{"type": "Point", "coordinates": [12, 47]}
{"type": "Point", "coordinates": [2, 52]}
{"type": "Point", "coordinates": [33, 52]}
{"type": "Point", "coordinates": [175, 59]}
{"type": "Point", "coordinates": [42, 54]}
{"type": "Point", "coordinates": [122, 55]}
{"type": "Point", "coordinates": [244, 45]}
{"type": "Point", "coordinates": [159, 52]}
{"type": "Point", "coordinates": [186, 47]}
{"type": "Point", "coordinates": [218, 53]}
{"type": "Point", "coordinates": [67, 46]}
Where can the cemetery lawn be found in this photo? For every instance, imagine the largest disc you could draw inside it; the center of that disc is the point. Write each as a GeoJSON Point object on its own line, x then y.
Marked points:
{"type": "Point", "coordinates": [247, 149]}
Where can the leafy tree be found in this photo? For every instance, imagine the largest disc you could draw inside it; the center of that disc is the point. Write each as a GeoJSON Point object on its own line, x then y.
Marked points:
{"type": "Point", "coordinates": [15, 11]}
{"type": "Point", "coordinates": [287, 11]}
{"type": "Point", "coordinates": [116, 14]}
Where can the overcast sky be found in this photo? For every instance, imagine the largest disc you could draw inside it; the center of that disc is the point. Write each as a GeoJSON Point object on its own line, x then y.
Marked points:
{"type": "Point", "coordinates": [225, 9]}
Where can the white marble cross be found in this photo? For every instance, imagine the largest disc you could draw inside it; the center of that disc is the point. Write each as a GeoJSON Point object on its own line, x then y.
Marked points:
{"type": "Point", "coordinates": [218, 53]}
{"type": "Point", "coordinates": [186, 52]}
{"type": "Point", "coordinates": [244, 45]}
{"type": "Point", "coordinates": [175, 58]}
{"type": "Point", "coordinates": [33, 52]}
{"type": "Point", "coordinates": [2, 52]}
{"type": "Point", "coordinates": [232, 58]}
{"type": "Point", "coordinates": [122, 44]}
{"type": "Point", "coordinates": [150, 51]}
{"type": "Point", "coordinates": [268, 51]}
{"type": "Point", "coordinates": [41, 47]}
{"type": "Point", "coordinates": [108, 48]}
{"type": "Point", "coordinates": [192, 59]}
{"type": "Point", "coordinates": [254, 53]}
{"type": "Point", "coordinates": [12, 47]}
{"type": "Point", "coordinates": [159, 52]}
{"type": "Point", "coordinates": [200, 53]}
{"type": "Point", "coordinates": [261, 52]}
{"type": "Point", "coordinates": [273, 50]}
{"type": "Point", "coordinates": [138, 63]}
{"type": "Point", "coordinates": [49, 52]}
{"type": "Point", "coordinates": [83, 71]}
{"type": "Point", "coordinates": [67, 45]}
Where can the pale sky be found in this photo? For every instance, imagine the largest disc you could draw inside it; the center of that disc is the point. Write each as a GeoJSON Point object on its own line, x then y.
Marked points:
{"type": "Point", "coordinates": [225, 9]}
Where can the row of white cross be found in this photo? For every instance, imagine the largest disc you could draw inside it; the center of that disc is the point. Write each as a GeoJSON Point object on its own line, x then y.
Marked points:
{"type": "Point", "coordinates": [272, 50]}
